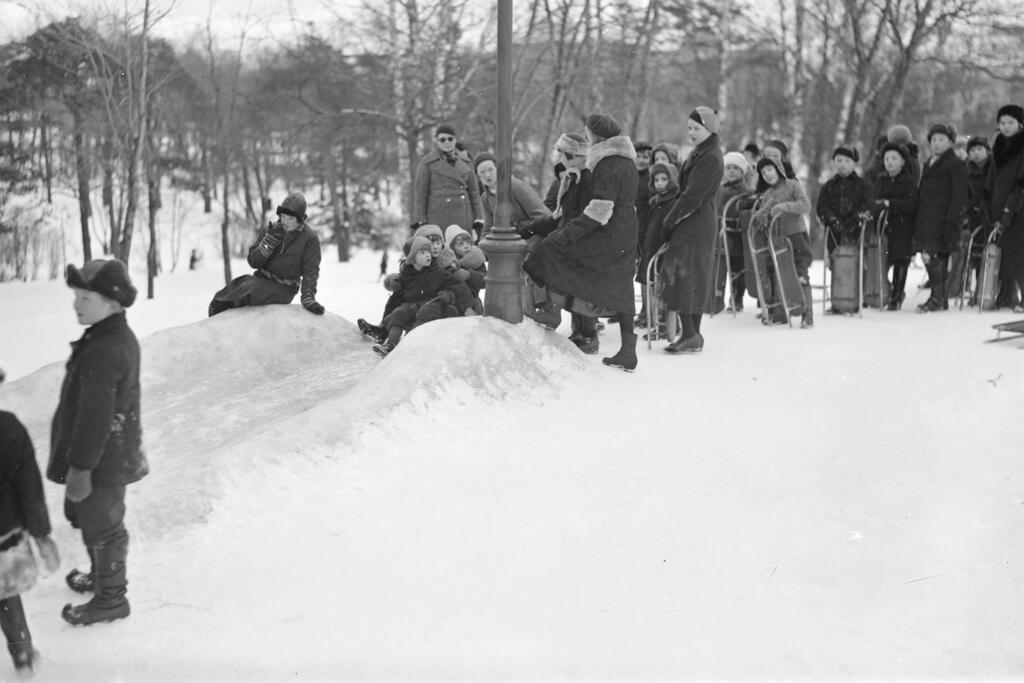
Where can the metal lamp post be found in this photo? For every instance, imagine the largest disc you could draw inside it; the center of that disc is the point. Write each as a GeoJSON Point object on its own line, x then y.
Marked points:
{"type": "Point", "coordinates": [504, 248]}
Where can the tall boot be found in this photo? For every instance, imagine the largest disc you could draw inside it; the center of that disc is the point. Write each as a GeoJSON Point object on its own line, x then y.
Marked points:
{"type": "Point", "coordinates": [808, 317]}
{"type": "Point", "coordinates": [625, 359]}
{"type": "Point", "coordinates": [82, 582]}
{"type": "Point", "coordinates": [943, 288]}
{"type": "Point", "coordinates": [899, 284]}
{"type": "Point", "coordinates": [15, 628]}
{"type": "Point", "coordinates": [110, 602]}
{"type": "Point", "coordinates": [934, 302]}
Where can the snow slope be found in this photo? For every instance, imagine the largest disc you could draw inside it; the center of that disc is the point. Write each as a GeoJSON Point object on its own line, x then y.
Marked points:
{"type": "Point", "coordinates": [487, 503]}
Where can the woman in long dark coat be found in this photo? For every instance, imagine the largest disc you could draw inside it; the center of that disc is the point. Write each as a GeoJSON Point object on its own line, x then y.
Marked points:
{"type": "Point", "coordinates": [1006, 201]}
{"type": "Point", "coordinates": [691, 227]}
{"type": "Point", "coordinates": [591, 259]}
{"type": "Point", "coordinates": [896, 193]}
{"type": "Point", "coordinates": [941, 198]}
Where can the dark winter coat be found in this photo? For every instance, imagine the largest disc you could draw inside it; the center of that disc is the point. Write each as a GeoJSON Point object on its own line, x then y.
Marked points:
{"type": "Point", "coordinates": [659, 204]}
{"type": "Point", "coordinates": [1006, 200]}
{"type": "Point", "coordinates": [941, 198]}
{"type": "Point", "coordinates": [901, 192]}
{"type": "Point", "coordinates": [414, 286]}
{"type": "Point", "coordinates": [526, 205]}
{"type": "Point", "coordinates": [843, 201]}
{"type": "Point", "coordinates": [787, 194]}
{"type": "Point", "coordinates": [644, 191]}
{"type": "Point", "coordinates": [592, 257]}
{"type": "Point", "coordinates": [690, 228]}
{"type": "Point", "coordinates": [98, 425]}
{"type": "Point", "coordinates": [977, 200]}
{"type": "Point", "coordinates": [447, 193]}
{"type": "Point", "coordinates": [279, 274]}
{"type": "Point", "coordinates": [22, 504]}
{"type": "Point", "coordinates": [551, 196]}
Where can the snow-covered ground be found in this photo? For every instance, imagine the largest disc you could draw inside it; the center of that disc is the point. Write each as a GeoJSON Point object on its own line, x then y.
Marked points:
{"type": "Point", "coordinates": [487, 503]}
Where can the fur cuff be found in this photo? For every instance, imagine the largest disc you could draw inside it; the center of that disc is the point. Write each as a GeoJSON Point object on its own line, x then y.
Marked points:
{"type": "Point", "coordinates": [599, 210]}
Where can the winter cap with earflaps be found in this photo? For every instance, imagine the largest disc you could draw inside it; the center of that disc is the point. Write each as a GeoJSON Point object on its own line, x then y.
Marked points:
{"type": "Point", "coordinates": [765, 161]}
{"type": "Point", "coordinates": [107, 277]}
{"type": "Point", "coordinates": [896, 147]}
{"type": "Point", "coordinates": [707, 117]}
{"type": "Point", "coordinates": [1014, 110]}
{"type": "Point", "coordinates": [779, 145]}
{"type": "Point", "coordinates": [736, 159]}
{"type": "Point", "coordinates": [415, 246]}
{"type": "Point", "coordinates": [293, 205]}
{"type": "Point", "coordinates": [482, 157]}
{"type": "Point", "coordinates": [428, 230]}
{"type": "Point", "coordinates": [946, 129]}
{"type": "Point", "coordinates": [572, 143]}
{"type": "Point", "coordinates": [978, 141]}
{"type": "Point", "coordinates": [453, 232]}
{"type": "Point", "coordinates": [603, 125]}
{"type": "Point", "coordinates": [846, 151]}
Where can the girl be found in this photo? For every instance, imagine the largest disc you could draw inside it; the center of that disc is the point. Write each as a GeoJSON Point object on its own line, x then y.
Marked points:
{"type": "Point", "coordinates": [896, 193]}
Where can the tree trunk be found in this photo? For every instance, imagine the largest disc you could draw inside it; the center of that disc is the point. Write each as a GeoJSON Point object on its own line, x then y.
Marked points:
{"type": "Point", "coordinates": [82, 171]}
{"type": "Point", "coordinates": [139, 142]}
{"type": "Point", "coordinates": [225, 243]}
{"type": "Point", "coordinates": [151, 256]}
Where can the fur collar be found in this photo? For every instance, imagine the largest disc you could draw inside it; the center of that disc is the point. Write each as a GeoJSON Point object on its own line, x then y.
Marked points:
{"type": "Point", "coordinates": [618, 146]}
{"type": "Point", "coordinates": [1006, 148]}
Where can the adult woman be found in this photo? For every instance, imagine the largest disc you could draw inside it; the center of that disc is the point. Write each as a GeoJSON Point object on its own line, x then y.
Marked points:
{"type": "Point", "coordinates": [446, 188]}
{"type": "Point", "coordinates": [526, 203]}
{"type": "Point", "coordinates": [690, 228]}
{"type": "Point", "coordinates": [591, 259]}
{"type": "Point", "coordinates": [896, 194]}
{"type": "Point", "coordinates": [1006, 192]}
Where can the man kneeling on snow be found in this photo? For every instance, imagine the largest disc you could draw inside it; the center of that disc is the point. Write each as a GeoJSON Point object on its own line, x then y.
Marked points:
{"type": "Point", "coordinates": [286, 253]}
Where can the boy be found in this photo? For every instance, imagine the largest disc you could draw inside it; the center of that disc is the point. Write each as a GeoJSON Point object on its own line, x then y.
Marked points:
{"type": "Point", "coordinates": [425, 290]}
{"type": "Point", "coordinates": [22, 515]}
{"type": "Point", "coordinates": [734, 184]}
{"type": "Point", "coordinates": [96, 436]}
{"type": "Point", "coordinates": [845, 201]}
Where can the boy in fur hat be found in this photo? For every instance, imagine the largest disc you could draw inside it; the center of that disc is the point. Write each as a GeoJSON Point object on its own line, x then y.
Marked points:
{"type": "Point", "coordinates": [96, 443]}
{"type": "Point", "coordinates": [23, 515]}
{"type": "Point", "coordinates": [846, 200]}
{"type": "Point", "coordinates": [425, 290]}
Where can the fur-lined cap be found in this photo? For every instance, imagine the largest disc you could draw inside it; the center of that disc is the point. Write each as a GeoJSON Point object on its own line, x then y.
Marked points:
{"type": "Point", "coordinates": [107, 277]}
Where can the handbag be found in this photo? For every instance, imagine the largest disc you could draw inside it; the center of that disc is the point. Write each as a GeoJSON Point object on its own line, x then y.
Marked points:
{"type": "Point", "coordinates": [18, 570]}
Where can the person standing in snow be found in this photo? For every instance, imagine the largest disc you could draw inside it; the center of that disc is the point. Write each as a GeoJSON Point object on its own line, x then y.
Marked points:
{"type": "Point", "coordinates": [1006, 202]}
{"type": "Point", "coordinates": [525, 202]}
{"type": "Point", "coordinates": [690, 228]}
{"type": "Point", "coordinates": [23, 515]}
{"type": "Point", "coordinates": [446, 191]}
{"type": "Point", "coordinates": [734, 184]}
{"type": "Point", "coordinates": [941, 198]}
{"type": "Point", "coordinates": [845, 201]}
{"type": "Point", "coordinates": [643, 208]}
{"type": "Point", "coordinates": [96, 436]}
{"type": "Point", "coordinates": [664, 190]}
{"type": "Point", "coordinates": [895, 193]}
{"type": "Point", "coordinates": [591, 259]}
{"type": "Point", "coordinates": [286, 255]}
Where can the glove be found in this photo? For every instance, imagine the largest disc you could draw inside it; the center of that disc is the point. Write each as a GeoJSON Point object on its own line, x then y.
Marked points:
{"type": "Point", "coordinates": [526, 230]}
{"type": "Point", "coordinates": [446, 297]}
{"type": "Point", "coordinates": [478, 225]}
{"type": "Point", "coordinates": [272, 240]}
{"type": "Point", "coordinates": [462, 274]}
{"type": "Point", "coordinates": [391, 282]}
{"type": "Point", "coordinates": [313, 307]}
{"type": "Point", "coordinates": [776, 210]}
{"type": "Point", "coordinates": [79, 485]}
{"type": "Point", "coordinates": [48, 551]}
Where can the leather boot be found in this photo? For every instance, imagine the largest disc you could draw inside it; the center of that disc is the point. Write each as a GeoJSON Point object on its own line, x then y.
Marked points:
{"type": "Point", "coordinates": [587, 340]}
{"type": "Point", "coordinates": [110, 602]}
{"type": "Point", "coordinates": [625, 359]}
{"type": "Point", "coordinates": [82, 582]}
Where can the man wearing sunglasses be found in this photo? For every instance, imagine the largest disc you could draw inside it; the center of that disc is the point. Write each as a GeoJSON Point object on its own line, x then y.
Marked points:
{"type": "Point", "coordinates": [446, 191]}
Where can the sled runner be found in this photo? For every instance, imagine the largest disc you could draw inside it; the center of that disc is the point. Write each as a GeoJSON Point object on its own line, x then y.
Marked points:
{"type": "Point", "coordinates": [728, 226]}
{"type": "Point", "coordinates": [959, 266]}
{"type": "Point", "coordinates": [1015, 330]}
{"type": "Point", "coordinates": [988, 282]}
{"type": "Point", "coordinates": [777, 285]}
{"type": "Point", "coordinates": [843, 292]}
{"type": "Point", "coordinates": [875, 285]}
{"type": "Point", "coordinates": [655, 308]}
{"type": "Point", "coordinates": [974, 254]}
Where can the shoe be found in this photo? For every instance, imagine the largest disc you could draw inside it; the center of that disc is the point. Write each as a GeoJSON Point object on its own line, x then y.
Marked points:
{"type": "Point", "coordinates": [806, 323]}
{"type": "Point", "coordinates": [625, 359]}
{"type": "Point", "coordinates": [384, 348]}
{"type": "Point", "coordinates": [588, 345]}
{"type": "Point", "coordinates": [640, 322]}
{"type": "Point", "coordinates": [93, 613]}
{"type": "Point", "coordinates": [81, 582]}
{"type": "Point", "coordinates": [24, 656]}
{"type": "Point", "coordinates": [549, 315]}
{"type": "Point", "coordinates": [109, 603]}
{"type": "Point", "coordinates": [374, 332]}
{"type": "Point", "coordinates": [694, 344]}
{"type": "Point", "coordinates": [932, 305]}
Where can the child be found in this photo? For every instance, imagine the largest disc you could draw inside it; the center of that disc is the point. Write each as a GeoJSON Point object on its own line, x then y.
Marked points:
{"type": "Point", "coordinates": [784, 198]}
{"type": "Point", "coordinates": [470, 265]}
{"type": "Point", "coordinates": [664, 190]}
{"type": "Point", "coordinates": [96, 443]}
{"type": "Point", "coordinates": [425, 290]}
{"type": "Point", "coordinates": [734, 184]}
{"type": "Point", "coordinates": [896, 193]}
{"type": "Point", "coordinates": [22, 515]}
{"type": "Point", "coordinates": [845, 200]}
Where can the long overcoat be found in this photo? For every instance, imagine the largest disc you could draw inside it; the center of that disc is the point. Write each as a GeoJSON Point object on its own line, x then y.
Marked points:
{"type": "Point", "coordinates": [901, 191]}
{"type": "Point", "coordinates": [1006, 200]}
{"type": "Point", "coordinates": [447, 193]}
{"type": "Point", "coordinates": [941, 199]}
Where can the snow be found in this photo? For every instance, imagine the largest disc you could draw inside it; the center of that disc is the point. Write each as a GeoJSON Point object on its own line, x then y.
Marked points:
{"type": "Point", "coordinates": [487, 503]}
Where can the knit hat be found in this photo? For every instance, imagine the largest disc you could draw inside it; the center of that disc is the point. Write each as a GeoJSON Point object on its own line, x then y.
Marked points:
{"type": "Point", "coordinates": [1014, 110]}
{"type": "Point", "coordinates": [106, 277]}
{"type": "Point", "coordinates": [752, 148]}
{"type": "Point", "coordinates": [707, 117]}
{"type": "Point", "coordinates": [736, 159]}
{"type": "Point", "coordinates": [899, 134]}
{"type": "Point", "coordinates": [452, 232]}
{"type": "Point", "coordinates": [846, 151]}
{"type": "Point", "coordinates": [482, 157]}
{"type": "Point", "coordinates": [779, 145]}
{"type": "Point", "coordinates": [667, 148]}
{"type": "Point", "coordinates": [293, 205]}
{"type": "Point", "coordinates": [977, 141]}
{"type": "Point", "coordinates": [428, 230]}
{"type": "Point", "coordinates": [640, 146]}
{"type": "Point", "coordinates": [415, 246]}
{"type": "Point", "coordinates": [444, 129]}
{"type": "Point", "coordinates": [603, 125]}
{"type": "Point", "coordinates": [942, 129]}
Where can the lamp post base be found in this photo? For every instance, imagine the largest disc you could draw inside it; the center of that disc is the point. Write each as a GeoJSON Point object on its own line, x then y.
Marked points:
{"type": "Point", "coordinates": [503, 296]}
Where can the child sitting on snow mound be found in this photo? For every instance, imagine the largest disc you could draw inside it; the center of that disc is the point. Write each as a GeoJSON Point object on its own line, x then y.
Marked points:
{"type": "Point", "coordinates": [470, 265]}
{"type": "Point", "coordinates": [286, 253]}
{"type": "Point", "coordinates": [426, 293]}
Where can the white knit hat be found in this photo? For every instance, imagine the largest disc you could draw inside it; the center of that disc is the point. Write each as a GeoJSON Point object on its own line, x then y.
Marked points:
{"type": "Point", "coordinates": [737, 159]}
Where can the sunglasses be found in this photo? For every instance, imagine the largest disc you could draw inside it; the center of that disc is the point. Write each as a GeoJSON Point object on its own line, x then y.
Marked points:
{"type": "Point", "coordinates": [445, 138]}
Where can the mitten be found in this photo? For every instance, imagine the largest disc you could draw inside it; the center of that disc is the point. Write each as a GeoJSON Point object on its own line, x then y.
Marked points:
{"type": "Point", "coordinates": [478, 225]}
{"type": "Point", "coordinates": [776, 210]}
{"type": "Point", "coordinates": [446, 297]}
{"type": "Point", "coordinates": [79, 485]}
{"type": "Point", "coordinates": [462, 274]}
{"type": "Point", "coordinates": [526, 230]}
{"type": "Point", "coordinates": [391, 282]}
{"type": "Point", "coordinates": [272, 240]}
{"type": "Point", "coordinates": [313, 307]}
{"type": "Point", "coordinates": [48, 551]}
